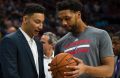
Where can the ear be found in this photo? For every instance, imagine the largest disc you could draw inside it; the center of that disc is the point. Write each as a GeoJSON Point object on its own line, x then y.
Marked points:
{"type": "Point", "coordinates": [79, 14]}
{"type": "Point", "coordinates": [25, 19]}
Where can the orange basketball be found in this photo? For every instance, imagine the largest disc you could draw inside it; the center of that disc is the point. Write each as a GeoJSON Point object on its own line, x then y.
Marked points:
{"type": "Point", "coordinates": [59, 63]}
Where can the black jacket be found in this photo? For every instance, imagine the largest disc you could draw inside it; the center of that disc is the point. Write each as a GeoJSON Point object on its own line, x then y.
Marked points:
{"type": "Point", "coordinates": [16, 57]}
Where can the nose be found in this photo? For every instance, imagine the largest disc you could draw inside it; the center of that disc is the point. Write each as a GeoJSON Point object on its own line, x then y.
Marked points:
{"type": "Point", "coordinates": [64, 23]}
{"type": "Point", "coordinates": [40, 26]}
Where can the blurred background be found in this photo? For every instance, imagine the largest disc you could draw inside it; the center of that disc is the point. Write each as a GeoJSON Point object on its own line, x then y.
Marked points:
{"type": "Point", "coordinates": [103, 14]}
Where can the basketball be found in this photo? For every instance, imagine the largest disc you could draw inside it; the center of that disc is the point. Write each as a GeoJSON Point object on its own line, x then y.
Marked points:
{"type": "Point", "coordinates": [59, 63]}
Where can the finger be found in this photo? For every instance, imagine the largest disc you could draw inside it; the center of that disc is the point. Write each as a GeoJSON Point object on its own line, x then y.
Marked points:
{"type": "Point", "coordinates": [77, 60]}
{"type": "Point", "coordinates": [72, 67]}
{"type": "Point", "coordinates": [72, 72]}
{"type": "Point", "coordinates": [49, 64]}
{"type": "Point", "coordinates": [73, 76]}
{"type": "Point", "coordinates": [49, 69]}
{"type": "Point", "coordinates": [68, 77]}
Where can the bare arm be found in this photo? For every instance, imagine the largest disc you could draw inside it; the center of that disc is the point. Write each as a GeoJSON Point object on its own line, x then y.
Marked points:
{"type": "Point", "coordinates": [105, 70]}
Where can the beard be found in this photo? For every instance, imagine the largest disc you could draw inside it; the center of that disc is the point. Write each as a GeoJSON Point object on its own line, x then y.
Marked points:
{"type": "Point", "coordinates": [74, 30]}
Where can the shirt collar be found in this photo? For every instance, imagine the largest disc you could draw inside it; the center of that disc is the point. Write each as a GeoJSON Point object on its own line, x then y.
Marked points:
{"type": "Point", "coordinates": [50, 56]}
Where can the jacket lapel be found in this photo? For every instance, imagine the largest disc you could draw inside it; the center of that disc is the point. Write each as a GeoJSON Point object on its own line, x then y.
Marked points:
{"type": "Point", "coordinates": [40, 56]}
{"type": "Point", "coordinates": [27, 48]}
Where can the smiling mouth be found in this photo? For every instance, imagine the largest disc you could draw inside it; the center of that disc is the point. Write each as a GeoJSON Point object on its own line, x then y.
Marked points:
{"type": "Point", "coordinates": [36, 31]}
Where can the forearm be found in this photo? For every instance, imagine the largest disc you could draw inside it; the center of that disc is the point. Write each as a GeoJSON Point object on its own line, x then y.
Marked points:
{"type": "Point", "coordinates": [100, 71]}
{"type": "Point", "coordinates": [104, 70]}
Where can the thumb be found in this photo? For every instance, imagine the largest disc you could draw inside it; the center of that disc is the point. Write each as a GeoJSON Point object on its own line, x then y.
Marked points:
{"type": "Point", "coordinates": [78, 60]}
{"type": "Point", "coordinates": [49, 64]}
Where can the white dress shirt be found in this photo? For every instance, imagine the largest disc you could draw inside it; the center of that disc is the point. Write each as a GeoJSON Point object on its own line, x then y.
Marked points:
{"type": "Point", "coordinates": [47, 60]}
{"type": "Point", "coordinates": [33, 48]}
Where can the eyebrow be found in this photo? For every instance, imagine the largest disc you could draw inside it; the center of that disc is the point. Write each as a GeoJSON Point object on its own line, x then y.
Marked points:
{"type": "Point", "coordinates": [38, 20]}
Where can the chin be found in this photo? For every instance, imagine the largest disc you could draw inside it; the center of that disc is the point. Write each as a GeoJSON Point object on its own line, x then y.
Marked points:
{"type": "Point", "coordinates": [35, 34]}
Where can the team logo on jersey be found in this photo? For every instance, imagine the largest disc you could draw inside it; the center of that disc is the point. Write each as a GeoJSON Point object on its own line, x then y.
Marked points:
{"type": "Point", "coordinates": [77, 47]}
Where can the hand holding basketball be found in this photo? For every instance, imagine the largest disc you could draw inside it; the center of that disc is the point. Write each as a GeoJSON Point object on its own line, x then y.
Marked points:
{"type": "Point", "coordinates": [59, 63]}
{"type": "Point", "coordinates": [78, 69]}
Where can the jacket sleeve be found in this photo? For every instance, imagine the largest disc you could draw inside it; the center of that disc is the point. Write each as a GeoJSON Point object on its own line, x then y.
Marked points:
{"type": "Point", "coordinates": [9, 58]}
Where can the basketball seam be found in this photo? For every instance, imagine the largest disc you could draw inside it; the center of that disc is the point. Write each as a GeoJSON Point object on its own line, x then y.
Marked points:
{"type": "Point", "coordinates": [62, 66]}
{"type": "Point", "coordinates": [60, 60]}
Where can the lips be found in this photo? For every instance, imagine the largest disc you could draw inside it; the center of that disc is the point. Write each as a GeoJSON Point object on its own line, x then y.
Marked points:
{"type": "Point", "coordinates": [37, 30]}
{"type": "Point", "coordinates": [65, 26]}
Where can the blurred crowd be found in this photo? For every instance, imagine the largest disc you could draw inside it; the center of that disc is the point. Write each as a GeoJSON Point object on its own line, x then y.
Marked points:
{"type": "Point", "coordinates": [104, 14]}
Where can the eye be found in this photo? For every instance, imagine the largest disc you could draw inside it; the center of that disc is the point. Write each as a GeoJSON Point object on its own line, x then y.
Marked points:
{"type": "Point", "coordinates": [37, 21]}
{"type": "Point", "coordinates": [42, 42]}
{"type": "Point", "coordinates": [67, 18]}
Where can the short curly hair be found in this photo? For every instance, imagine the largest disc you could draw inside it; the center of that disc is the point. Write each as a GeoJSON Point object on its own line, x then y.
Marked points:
{"type": "Point", "coordinates": [69, 5]}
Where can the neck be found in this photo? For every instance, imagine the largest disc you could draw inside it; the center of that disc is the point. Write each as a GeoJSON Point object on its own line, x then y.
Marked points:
{"type": "Point", "coordinates": [26, 31]}
{"type": "Point", "coordinates": [82, 26]}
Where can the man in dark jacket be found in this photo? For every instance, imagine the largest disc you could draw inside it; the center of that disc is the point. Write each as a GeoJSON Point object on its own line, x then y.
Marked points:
{"type": "Point", "coordinates": [21, 55]}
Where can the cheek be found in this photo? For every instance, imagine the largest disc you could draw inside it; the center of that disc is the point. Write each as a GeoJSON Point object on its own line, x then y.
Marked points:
{"type": "Point", "coordinates": [118, 46]}
{"type": "Point", "coordinates": [30, 26]}
{"type": "Point", "coordinates": [45, 46]}
{"type": "Point", "coordinates": [71, 22]}
{"type": "Point", "coordinates": [33, 24]}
